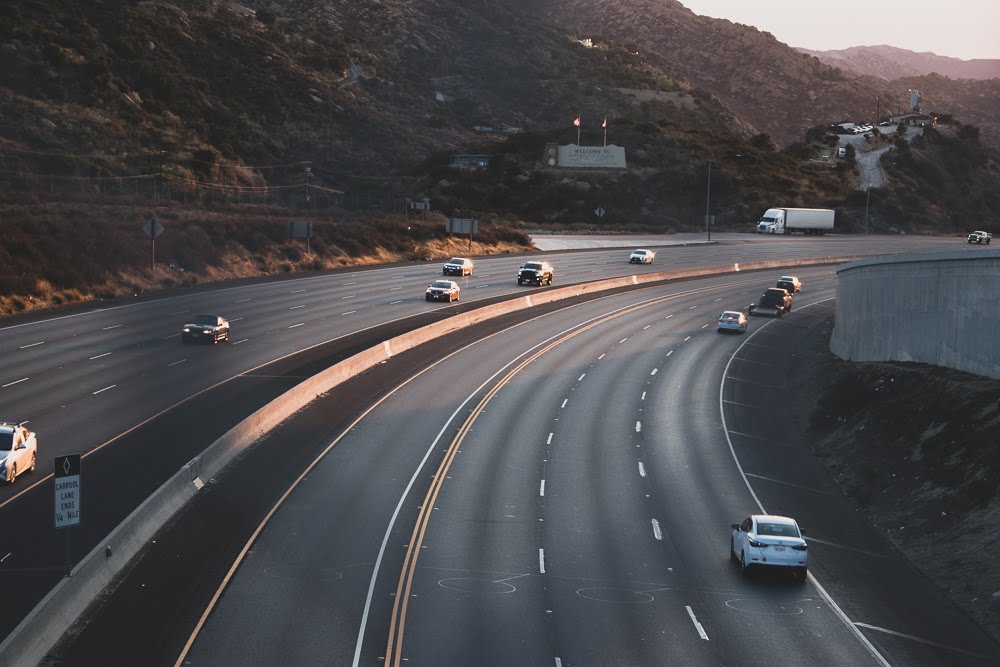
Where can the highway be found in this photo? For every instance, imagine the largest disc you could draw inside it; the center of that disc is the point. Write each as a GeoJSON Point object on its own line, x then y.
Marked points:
{"type": "Point", "coordinates": [93, 381]}
{"type": "Point", "coordinates": [565, 498]}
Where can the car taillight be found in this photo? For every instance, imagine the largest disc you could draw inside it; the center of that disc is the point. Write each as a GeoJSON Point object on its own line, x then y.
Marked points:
{"type": "Point", "coordinates": [800, 547]}
{"type": "Point", "coordinates": [756, 544]}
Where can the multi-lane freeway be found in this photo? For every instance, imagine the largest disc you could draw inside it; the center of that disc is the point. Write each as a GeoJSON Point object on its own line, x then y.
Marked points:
{"type": "Point", "coordinates": [556, 492]}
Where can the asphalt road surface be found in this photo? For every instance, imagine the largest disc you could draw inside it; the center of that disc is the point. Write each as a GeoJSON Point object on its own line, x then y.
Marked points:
{"type": "Point", "coordinates": [559, 491]}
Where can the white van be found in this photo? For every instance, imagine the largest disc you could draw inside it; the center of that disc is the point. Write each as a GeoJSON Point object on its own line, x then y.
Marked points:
{"type": "Point", "coordinates": [842, 151]}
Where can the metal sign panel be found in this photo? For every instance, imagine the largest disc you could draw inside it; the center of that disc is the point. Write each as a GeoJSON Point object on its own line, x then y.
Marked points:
{"type": "Point", "coordinates": [152, 228]}
{"type": "Point", "coordinates": [67, 486]}
{"type": "Point", "coordinates": [300, 229]}
{"type": "Point", "coordinates": [462, 226]}
{"type": "Point", "coordinates": [592, 157]}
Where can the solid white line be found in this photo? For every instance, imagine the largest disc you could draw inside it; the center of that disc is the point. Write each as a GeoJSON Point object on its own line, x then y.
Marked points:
{"type": "Point", "coordinates": [9, 384]}
{"type": "Point", "coordinates": [697, 625]}
{"type": "Point", "coordinates": [181, 311]}
{"type": "Point", "coordinates": [838, 612]}
{"type": "Point", "coordinates": [541, 489]}
{"type": "Point", "coordinates": [300, 324]}
{"type": "Point", "coordinates": [642, 469]}
{"type": "Point", "coordinates": [549, 441]}
{"type": "Point", "coordinates": [176, 362]}
{"type": "Point", "coordinates": [350, 312]}
{"type": "Point", "coordinates": [297, 307]}
{"type": "Point", "coordinates": [237, 319]}
{"type": "Point", "coordinates": [541, 561]}
{"type": "Point", "coordinates": [393, 303]}
{"type": "Point", "coordinates": [797, 486]}
{"type": "Point", "coordinates": [654, 371]}
{"type": "Point", "coordinates": [581, 377]}
{"type": "Point", "coordinates": [241, 341]}
{"type": "Point", "coordinates": [842, 546]}
{"type": "Point", "coordinates": [657, 533]}
{"type": "Point", "coordinates": [105, 389]}
{"type": "Point", "coordinates": [638, 426]}
{"type": "Point", "coordinates": [171, 336]}
{"type": "Point", "coordinates": [111, 327]}
{"type": "Point", "coordinates": [25, 347]}
{"type": "Point", "coordinates": [622, 341]}
{"type": "Point", "coordinates": [600, 357]}
{"type": "Point", "coordinates": [565, 401]}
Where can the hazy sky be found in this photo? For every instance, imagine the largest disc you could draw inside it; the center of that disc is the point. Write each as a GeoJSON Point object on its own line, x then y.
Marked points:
{"type": "Point", "coordinates": [964, 29]}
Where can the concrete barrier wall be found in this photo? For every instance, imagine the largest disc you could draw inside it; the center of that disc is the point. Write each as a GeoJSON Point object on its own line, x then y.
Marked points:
{"type": "Point", "coordinates": [938, 308]}
{"type": "Point", "coordinates": [42, 628]}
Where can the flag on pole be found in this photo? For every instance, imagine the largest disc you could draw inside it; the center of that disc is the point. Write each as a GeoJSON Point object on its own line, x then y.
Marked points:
{"type": "Point", "coordinates": [605, 126]}
{"type": "Point", "coordinates": [576, 121]}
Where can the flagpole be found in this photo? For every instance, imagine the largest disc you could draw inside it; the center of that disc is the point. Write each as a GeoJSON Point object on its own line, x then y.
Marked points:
{"type": "Point", "coordinates": [605, 130]}
{"type": "Point", "coordinates": [578, 130]}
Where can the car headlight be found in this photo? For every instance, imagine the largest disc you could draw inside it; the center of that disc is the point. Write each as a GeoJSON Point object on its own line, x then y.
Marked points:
{"type": "Point", "coordinates": [187, 329]}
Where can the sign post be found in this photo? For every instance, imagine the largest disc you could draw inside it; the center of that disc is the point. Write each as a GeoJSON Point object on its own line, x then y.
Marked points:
{"type": "Point", "coordinates": [152, 229]}
{"type": "Point", "coordinates": [67, 507]}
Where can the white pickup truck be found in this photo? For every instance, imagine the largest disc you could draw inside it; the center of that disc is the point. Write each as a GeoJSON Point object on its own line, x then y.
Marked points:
{"type": "Point", "coordinates": [980, 237]}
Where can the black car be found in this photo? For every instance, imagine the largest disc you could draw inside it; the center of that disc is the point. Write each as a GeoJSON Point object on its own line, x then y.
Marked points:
{"type": "Point", "coordinates": [539, 273]}
{"type": "Point", "coordinates": [211, 328]}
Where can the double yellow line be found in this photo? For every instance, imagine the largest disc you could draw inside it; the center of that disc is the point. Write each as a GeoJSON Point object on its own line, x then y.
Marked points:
{"type": "Point", "coordinates": [397, 624]}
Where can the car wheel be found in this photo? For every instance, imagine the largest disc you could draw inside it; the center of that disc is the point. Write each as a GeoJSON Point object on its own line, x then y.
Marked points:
{"type": "Point", "coordinates": [33, 463]}
{"type": "Point", "coordinates": [802, 575]}
{"type": "Point", "coordinates": [732, 551]}
{"type": "Point", "coordinates": [743, 564]}
{"type": "Point", "coordinates": [13, 474]}
{"type": "Point", "coordinates": [520, 282]}
{"type": "Point", "coordinates": [719, 330]}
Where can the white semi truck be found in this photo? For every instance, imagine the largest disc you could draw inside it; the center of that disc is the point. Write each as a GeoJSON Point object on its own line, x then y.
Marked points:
{"type": "Point", "coordinates": [790, 220]}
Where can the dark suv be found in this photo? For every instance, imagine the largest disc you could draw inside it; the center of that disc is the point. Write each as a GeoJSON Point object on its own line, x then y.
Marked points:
{"type": "Point", "coordinates": [539, 273]}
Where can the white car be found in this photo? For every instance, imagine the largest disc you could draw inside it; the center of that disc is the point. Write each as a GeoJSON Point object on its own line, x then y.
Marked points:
{"type": "Point", "coordinates": [458, 266]}
{"type": "Point", "coordinates": [641, 256]}
{"type": "Point", "coordinates": [790, 283]}
{"type": "Point", "coordinates": [443, 290]}
{"type": "Point", "coordinates": [732, 320]}
{"type": "Point", "coordinates": [769, 541]}
{"type": "Point", "coordinates": [18, 450]}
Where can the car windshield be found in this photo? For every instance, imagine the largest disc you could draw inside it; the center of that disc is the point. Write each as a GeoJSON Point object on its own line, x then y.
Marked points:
{"type": "Point", "coordinates": [203, 319]}
{"type": "Point", "coordinates": [639, 252]}
{"type": "Point", "coordinates": [777, 529]}
{"type": "Point", "coordinates": [441, 283]}
{"type": "Point", "coordinates": [786, 279]}
{"type": "Point", "coordinates": [456, 260]}
{"type": "Point", "coordinates": [6, 440]}
{"type": "Point", "coordinates": [532, 265]}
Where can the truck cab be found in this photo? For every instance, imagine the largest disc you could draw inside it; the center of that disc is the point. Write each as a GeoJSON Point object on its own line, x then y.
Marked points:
{"type": "Point", "coordinates": [772, 221]}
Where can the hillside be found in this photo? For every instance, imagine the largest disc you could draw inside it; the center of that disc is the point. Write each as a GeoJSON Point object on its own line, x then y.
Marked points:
{"type": "Point", "coordinates": [782, 91]}
{"type": "Point", "coordinates": [888, 62]}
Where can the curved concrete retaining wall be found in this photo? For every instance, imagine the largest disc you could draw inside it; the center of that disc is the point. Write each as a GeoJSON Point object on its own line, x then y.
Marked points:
{"type": "Point", "coordinates": [42, 628]}
{"type": "Point", "coordinates": [939, 308]}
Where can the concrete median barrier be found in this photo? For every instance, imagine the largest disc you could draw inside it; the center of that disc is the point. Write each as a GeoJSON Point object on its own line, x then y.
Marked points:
{"type": "Point", "coordinates": [48, 621]}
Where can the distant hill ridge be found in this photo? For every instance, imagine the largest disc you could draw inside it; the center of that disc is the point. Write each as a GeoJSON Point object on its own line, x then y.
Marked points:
{"type": "Point", "coordinates": [889, 62]}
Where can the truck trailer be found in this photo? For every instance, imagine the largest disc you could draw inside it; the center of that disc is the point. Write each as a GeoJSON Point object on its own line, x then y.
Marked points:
{"type": "Point", "coordinates": [790, 220]}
